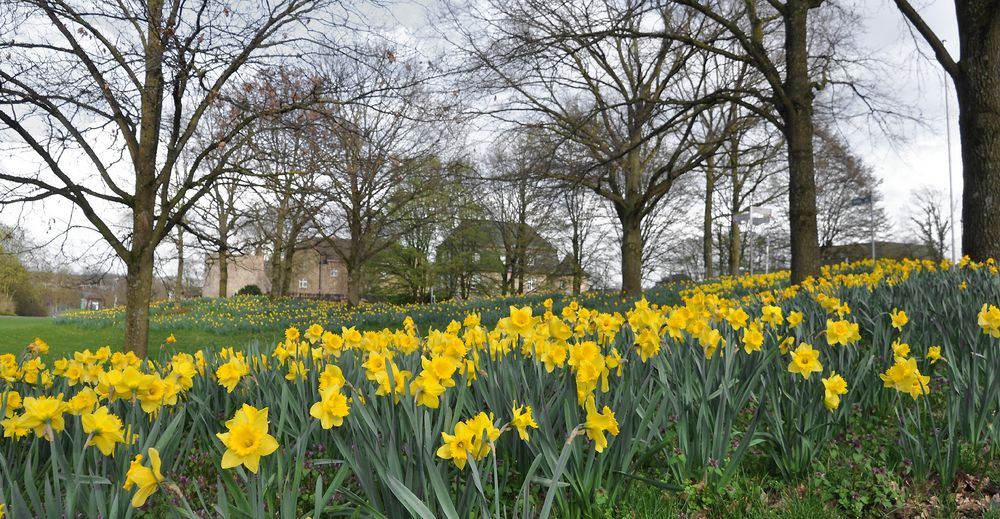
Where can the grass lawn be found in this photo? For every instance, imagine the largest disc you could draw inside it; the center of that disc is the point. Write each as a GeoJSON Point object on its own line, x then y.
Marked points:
{"type": "Point", "coordinates": [65, 338]}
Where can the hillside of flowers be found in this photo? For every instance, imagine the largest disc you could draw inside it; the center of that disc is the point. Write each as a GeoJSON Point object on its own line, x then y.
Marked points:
{"type": "Point", "coordinates": [559, 410]}
{"type": "Point", "coordinates": [262, 313]}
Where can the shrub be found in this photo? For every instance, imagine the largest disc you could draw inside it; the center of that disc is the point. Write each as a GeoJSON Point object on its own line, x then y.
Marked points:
{"type": "Point", "coordinates": [250, 290]}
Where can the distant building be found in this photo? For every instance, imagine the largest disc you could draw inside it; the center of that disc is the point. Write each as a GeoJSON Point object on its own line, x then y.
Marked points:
{"type": "Point", "coordinates": [57, 292]}
{"type": "Point", "coordinates": [242, 271]}
{"type": "Point", "coordinates": [472, 259]}
{"type": "Point", "coordinates": [318, 272]}
{"type": "Point", "coordinates": [851, 252]}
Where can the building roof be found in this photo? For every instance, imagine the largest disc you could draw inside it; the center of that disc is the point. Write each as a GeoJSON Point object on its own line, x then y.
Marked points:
{"type": "Point", "coordinates": [492, 239]}
{"type": "Point", "coordinates": [331, 247]}
{"type": "Point", "coordinates": [491, 234]}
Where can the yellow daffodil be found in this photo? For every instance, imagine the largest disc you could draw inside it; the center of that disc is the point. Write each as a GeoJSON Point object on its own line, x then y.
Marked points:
{"type": "Point", "coordinates": [522, 420]}
{"type": "Point", "coordinates": [805, 361]}
{"type": "Point", "coordinates": [903, 376]}
{"type": "Point", "coordinates": [145, 479]}
{"type": "Point", "coordinates": [599, 423]}
{"type": "Point", "coordinates": [989, 320]}
{"type": "Point", "coordinates": [520, 322]}
{"type": "Point", "coordinates": [247, 440]}
{"type": "Point", "coordinates": [12, 402]}
{"type": "Point", "coordinates": [900, 349]}
{"type": "Point", "coordinates": [934, 354]}
{"type": "Point", "coordinates": [841, 332]}
{"type": "Point", "coordinates": [44, 415]}
{"type": "Point", "coordinates": [772, 315]}
{"type": "Point", "coordinates": [230, 373]}
{"type": "Point", "coordinates": [331, 409]}
{"type": "Point", "coordinates": [899, 319]}
{"type": "Point", "coordinates": [456, 447]}
{"type": "Point", "coordinates": [753, 337]}
{"type": "Point", "coordinates": [104, 428]}
{"type": "Point", "coordinates": [833, 387]}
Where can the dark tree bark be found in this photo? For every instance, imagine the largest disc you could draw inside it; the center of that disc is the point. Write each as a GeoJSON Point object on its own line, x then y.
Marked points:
{"type": "Point", "coordinates": [631, 253]}
{"type": "Point", "coordinates": [224, 273]}
{"type": "Point", "coordinates": [788, 92]}
{"type": "Point", "coordinates": [736, 183]}
{"type": "Point", "coordinates": [179, 280]}
{"type": "Point", "coordinates": [978, 89]}
{"type": "Point", "coordinates": [976, 75]}
{"type": "Point", "coordinates": [797, 113]}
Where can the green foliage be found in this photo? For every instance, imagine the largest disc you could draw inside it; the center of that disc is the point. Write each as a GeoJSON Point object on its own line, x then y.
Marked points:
{"type": "Point", "coordinates": [727, 434]}
{"type": "Point", "coordinates": [250, 290]}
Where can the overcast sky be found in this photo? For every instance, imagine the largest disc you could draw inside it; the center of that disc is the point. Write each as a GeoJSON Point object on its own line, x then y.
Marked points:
{"type": "Point", "coordinates": [923, 157]}
{"type": "Point", "coordinates": [918, 159]}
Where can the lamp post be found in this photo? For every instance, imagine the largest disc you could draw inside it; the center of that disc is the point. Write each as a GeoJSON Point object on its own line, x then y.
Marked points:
{"type": "Point", "coordinates": [951, 185]}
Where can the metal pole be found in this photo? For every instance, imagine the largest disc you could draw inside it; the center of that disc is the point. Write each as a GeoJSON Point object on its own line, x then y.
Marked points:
{"type": "Point", "coordinates": [750, 241]}
{"type": "Point", "coordinates": [750, 235]}
{"type": "Point", "coordinates": [951, 186]}
{"type": "Point", "coordinates": [767, 253]}
{"type": "Point", "coordinates": [871, 218]}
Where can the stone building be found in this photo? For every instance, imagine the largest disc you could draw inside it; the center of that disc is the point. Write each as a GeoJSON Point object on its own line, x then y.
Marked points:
{"type": "Point", "coordinates": [317, 273]}
{"type": "Point", "coordinates": [243, 271]}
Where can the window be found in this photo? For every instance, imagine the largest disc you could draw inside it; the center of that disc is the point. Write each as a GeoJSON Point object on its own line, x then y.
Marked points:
{"type": "Point", "coordinates": [475, 256]}
{"type": "Point", "coordinates": [303, 283]}
{"type": "Point", "coordinates": [334, 272]}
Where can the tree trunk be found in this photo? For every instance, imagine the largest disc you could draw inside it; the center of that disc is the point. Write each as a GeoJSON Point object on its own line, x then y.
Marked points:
{"type": "Point", "coordinates": [139, 282]}
{"type": "Point", "coordinates": [577, 257]}
{"type": "Point", "coordinates": [353, 286]}
{"type": "Point", "coordinates": [735, 238]}
{"type": "Point", "coordinates": [285, 269]}
{"type": "Point", "coordinates": [223, 273]}
{"type": "Point", "coordinates": [223, 229]}
{"type": "Point", "coordinates": [179, 282]}
{"type": "Point", "coordinates": [735, 247]}
{"type": "Point", "coordinates": [139, 260]}
{"type": "Point", "coordinates": [797, 114]}
{"type": "Point", "coordinates": [706, 239]}
{"type": "Point", "coordinates": [978, 90]}
{"type": "Point", "coordinates": [631, 255]}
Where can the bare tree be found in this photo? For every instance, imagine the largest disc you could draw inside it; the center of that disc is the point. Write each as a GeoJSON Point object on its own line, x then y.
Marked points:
{"type": "Point", "coordinates": [976, 75]}
{"type": "Point", "coordinates": [581, 210]}
{"type": "Point", "coordinates": [662, 231]}
{"type": "Point", "coordinates": [849, 199]}
{"type": "Point", "coordinates": [516, 198]}
{"type": "Point", "coordinates": [578, 72]}
{"type": "Point", "coordinates": [930, 220]}
{"type": "Point", "coordinates": [774, 38]}
{"type": "Point", "coordinates": [752, 174]}
{"type": "Point", "coordinates": [284, 173]}
{"type": "Point", "coordinates": [138, 76]}
{"type": "Point", "coordinates": [376, 158]}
